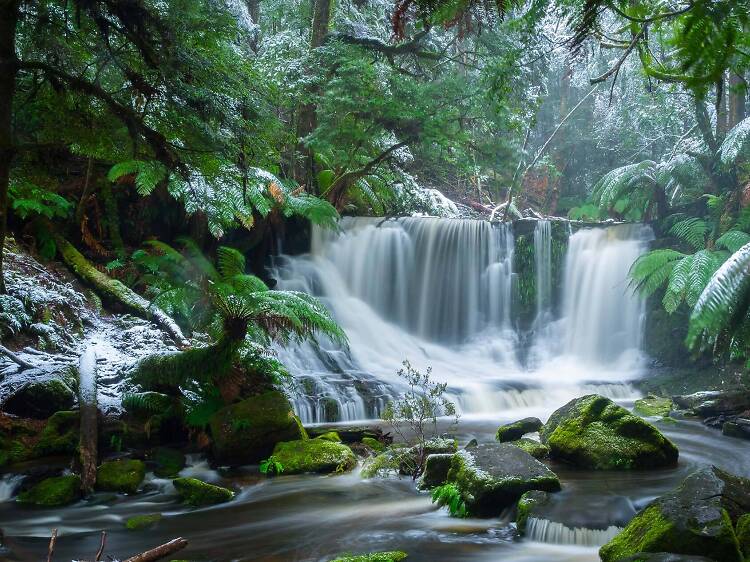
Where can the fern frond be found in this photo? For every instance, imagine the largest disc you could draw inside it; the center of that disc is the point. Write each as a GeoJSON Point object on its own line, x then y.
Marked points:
{"type": "Point", "coordinates": [733, 240]}
{"type": "Point", "coordinates": [148, 403]}
{"type": "Point", "coordinates": [736, 145]}
{"type": "Point", "coordinates": [624, 180]}
{"type": "Point", "coordinates": [147, 173]}
{"type": "Point", "coordinates": [693, 231]}
{"type": "Point", "coordinates": [724, 299]}
{"type": "Point", "coordinates": [652, 270]}
{"type": "Point", "coordinates": [230, 262]}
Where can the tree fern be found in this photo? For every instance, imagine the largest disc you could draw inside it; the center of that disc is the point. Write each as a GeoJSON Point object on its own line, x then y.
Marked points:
{"type": "Point", "coordinates": [733, 240]}
{"type": "Point", "coordinates": [652, 270]}
{"type": "Point", "coordinates": [736, 145]}
{"type": "Point", "coordinates": [693, 231]}
{"type": "Point", "coordinates": [147, 174]}
{"type": "Point", "coordinates": [148, 403]}
{"type": "Point", "coordinates": [724, 299]}
{"type": "Point", "coordinates": [621, 181]}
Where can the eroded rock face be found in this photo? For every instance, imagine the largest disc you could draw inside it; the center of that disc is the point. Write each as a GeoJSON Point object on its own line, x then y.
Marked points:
{"type": "Point", "coordinates": [493, 476]}
{"type": "Point", "coordinates": [698, 518]}
{"type": "Point", "coordinates": [247, 432]}
{"type": "Point", "coordinates": [517, 429]}
{"type": "Point", "coordinates": [593, 432]}
{"type": "Point", "coordinates": [314, 455]}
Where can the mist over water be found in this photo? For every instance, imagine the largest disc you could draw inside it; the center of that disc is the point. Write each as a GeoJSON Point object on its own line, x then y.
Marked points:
{"type": "Point", "coordinates": [440, 293]}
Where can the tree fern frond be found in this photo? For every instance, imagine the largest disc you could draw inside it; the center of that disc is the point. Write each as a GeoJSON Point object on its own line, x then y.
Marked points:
{"type": "Point", "coordinates": [148, 403]}
{"type": "Point", "coordinates": [693, 231]}
{"type": "Point", "coordinates": [724, 297]}
{"type": "Point", "coordinates": [651, 270]}
{"type": "Point", "coordinates": [678, 283]}
{"type": "Point", "coordinates": [230, 262]}
{"type": "Point", "coordinates": [733, 240]}
{"type": "Point", "coordinates": [148, 174]}
{"type": "Point", "coordinates": [623, 180]}
{"type": "Point", "coordinates": [736, 145]}
{"type": "Point", "coordinates": [704, 265]}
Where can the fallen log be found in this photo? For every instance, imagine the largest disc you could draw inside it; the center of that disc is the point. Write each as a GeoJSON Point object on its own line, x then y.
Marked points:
{"type": "Point", "coordinates": [88, 453]}
{"type": "Point", "coordinates": [159, 552]}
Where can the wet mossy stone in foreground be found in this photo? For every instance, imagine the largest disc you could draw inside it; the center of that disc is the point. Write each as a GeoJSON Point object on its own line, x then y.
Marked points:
{"type": "Point", "coordinates": [140, 522]}
{"type": "Point", "coordinates": [120, 476]}
{"type": "Point", "coordinates": [198, 493]}
{"type": "Point", "coordinates": [394, 556]}
{"type": "Point", "coordinates": [246, 432]}
{"type": "Point", "coordinates": [314, 455]}
{"type": "Point", "coordinates": [493, 476]}
{"type": "Point", "coordinates": [517, 429]}
{"type": "Point", "coordinates": [594, 432]}
{"type": "Point", "coordinates": [698, 518]}
{"type": "Point", "coordinates": [53, 492]}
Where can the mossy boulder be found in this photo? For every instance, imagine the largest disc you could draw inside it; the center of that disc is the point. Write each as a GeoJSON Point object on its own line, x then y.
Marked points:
{"type": "Point", "coordinates": [140, 522]}
{"type": "Point", "coordinates": [348, 434]}
{"type": "Point", "coordinates": [198, 493]}
{"type": "Point", "coordinates": [120, 476]}
{"type": "Point", "coordinates": [527, 506]}
{"type": "Point", "coordinates": [53, 492]}
{"type": "Point", "coordinates": [59, 436]}
{"type": "Point", "coordinates": [435, 473]}
{"type": "Point", "coordinates": [314, 455]}
{"type": "Point", "coordinates": [698, 518]}
{"type": "Point", "coordinates": [593, 432]}
{"type": "Point", "coordinates": [169, 462]}
{"type": "Point", "coordinates": [493, 476]}
{"type": "Point", "coordinates": [373, 444]}
{"type": "Point", "coordinates": [17, 438]}
{"type": "Point", "coordinates": [393, 556]}
{"type": "Point", "coordinates": [409, 457]}
{"type": "Point", "coordinates": [330, 436]}
{"type": "Point", "coordinates": [247, 432]}
{"type": "Point", "coordinates": [40, 398]}
{"type": "Point", "coordinates": [517, 429]}
{"type": "Point", "coordinates": [742, 530]}
{"type": "Point", "coordinates": [534, 448]}
{"type": "Point", "coordinates": [664, 557]}
{"type": "Point", "coordinates": [653, 406]}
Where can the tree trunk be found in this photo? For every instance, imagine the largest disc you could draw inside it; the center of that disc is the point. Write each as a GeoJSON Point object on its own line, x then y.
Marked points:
{"type": "Point", "coordinates": [722, 120]}
{"type": "Point", "coordinates": [320, 23]}
{"type": "Point", "coordinates": [8, 70]}
{"type": "Point", "coordinates": [737, 96]}
{"type": "Point", "coordinates": [87, 373]}
{"type": "Point", "coordinates": [253, 10]}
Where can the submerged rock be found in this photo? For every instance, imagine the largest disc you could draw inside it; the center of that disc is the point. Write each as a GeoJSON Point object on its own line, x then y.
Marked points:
{"type": "Point", "coordinates": [436, 468]}
{"type": "Point", "coordinates": [534, 448]}
{"type": "Point", "coordinates": [739, 428]}
{"type": "Point", "coordinates": [198, 493]}
{"type": "Point", "coordinates": [653, 406]}
{"type": "Point", "coordinates": [140, 522]}
{"type": "Point", "coordinates": [697, 518]}
{"type": "Point", "coordinates": [247, 432]}
{"type": "Point", "coordinates": [394, 556]}
{"type": "Point", "coordinates": [120, 476]}
{"type": "Point", "coordinates": [53, 492]}
{"type": "Point", "coordinates": [314, 455]}
{"type": "Point", "coordinates": [517, 429]}
{"type": "Point", "coordinates": [492, 476]}
{"type": "Point", "coordinates": [594, 432]}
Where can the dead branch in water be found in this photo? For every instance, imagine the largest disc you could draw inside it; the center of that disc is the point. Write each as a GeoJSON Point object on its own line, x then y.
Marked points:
{"type": "Point", "coordinates": [160, 551]}
{"type": "Point", "coordinates": [51, 548]}
{"type": "Point", "coordinates": [101, 547]}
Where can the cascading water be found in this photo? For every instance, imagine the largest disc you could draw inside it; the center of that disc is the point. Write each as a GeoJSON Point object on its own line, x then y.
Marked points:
{"type": "Point", "coordinates": [543, 267]}
{"type": "Point", "coordinates": [439, 293]}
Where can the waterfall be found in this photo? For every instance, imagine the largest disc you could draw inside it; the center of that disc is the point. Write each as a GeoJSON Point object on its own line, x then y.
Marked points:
{"type": "Point", "coordinates": [438, 292]}
{"type": "Point", "coordinates": [543, 268]}
{"type": "Point", "coordinates": [544, 530]}
{"type": "Point", "coordinates": [9, 483]}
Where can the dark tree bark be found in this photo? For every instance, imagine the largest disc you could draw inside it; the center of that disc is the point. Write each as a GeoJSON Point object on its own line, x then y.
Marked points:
{"type": "Point", "coordinates": [87, 446]}
{"type": "Point", "coordinates": [737, 99]}
{"type": "Point", "coordinates": [8, 70]}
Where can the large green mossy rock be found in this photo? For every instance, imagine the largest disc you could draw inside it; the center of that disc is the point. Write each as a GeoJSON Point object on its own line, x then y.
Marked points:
{"type": "Point", "coordinates": [435, 473]}
{"type": "Point", "coordinates": [534, 448]}
{"type": "Point", "coordinates": [394, 556]}
{"type": "Point", "coordinates": [517, 429]}
{"type": "Point", "coordinates": [594, 432]}
{"type": "Point", "coordinates": [59, 436]}
{"type": "Point", "coordinates": [247, 432]}
{"type": "Point", "coordinates": [698, 518]}
{"type": "Point", "coordinates": [53, 492]}
{"type": "Point", "coordinates": [40, 398]}
{"type": "Point", "coordinates": [493, 476]}
{"type": "Point", "coordinates": [120, 476]}
{"type": "Point", "coordinates": [197, 493]}
{"type": "Point", "coordinates": [314, 455]}
{"type": "Point", "coordinates": [653, 406]}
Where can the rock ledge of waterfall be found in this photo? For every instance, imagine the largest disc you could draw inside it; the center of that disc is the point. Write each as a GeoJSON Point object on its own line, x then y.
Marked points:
{"type": "Point", "coordinates": [698, 518]}
{"type": "Point", "coordinates": [493, 476]}
{"type": "Point", "coordinates": [593, 432]}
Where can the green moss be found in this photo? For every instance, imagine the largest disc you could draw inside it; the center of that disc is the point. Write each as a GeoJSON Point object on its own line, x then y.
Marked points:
{"type": "Point", "coordinates": [170, 462]}
{"type": "Point", "coordinates": [743, 534]}
{"type": "Point", "coordinates": [594, 432]}
{"type": "Point", "coordinates": [268, 419]}
{"type": "Point", "coordinates": [651, 531]}
{"type": "Point", "coordinates": [197, 493]}
{"type": "Point", "coordinates": [330, 436]}
{"type": "Point", "coordinates": [534, 448]}
{"type": "Point", "coordinates": [393, 556]}
{"type": "Point", "coordinates": [373, 444]}
{"type": "Point", "coordinates": [59, 436]}
{"type": "Point", "coordinates": [140, 522]}
{"type": "Point", "coordinates": [517, 429]}
{"type": "Point", "coordinates": [524, 506]}
{"type": "Point", "coordinates": [314, 455]}
{"type": "Point", "coordinates": [653, 406]}
{"type": "Point", "coordinates": [383, 464]}
{"type": "Point", "coordinates": [53, 492]}
{"type": "Point", "coordinates": [120, 476]}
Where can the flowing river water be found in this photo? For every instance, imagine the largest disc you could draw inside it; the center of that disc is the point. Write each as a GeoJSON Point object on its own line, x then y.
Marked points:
{"type": "Point", "coordinates": [441, 294]}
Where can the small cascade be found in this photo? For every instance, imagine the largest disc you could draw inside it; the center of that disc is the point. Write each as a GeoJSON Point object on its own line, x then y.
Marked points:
{"type": "Point", "coordinates": [544, 530]}
{"type": "Point", "coordinates": [543, 268]}
{"type": "Point", "coordinates": [9, 483]}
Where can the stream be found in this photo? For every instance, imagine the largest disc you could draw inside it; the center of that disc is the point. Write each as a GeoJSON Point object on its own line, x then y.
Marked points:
{"type": "Point", "coordinates": [440, 293]}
